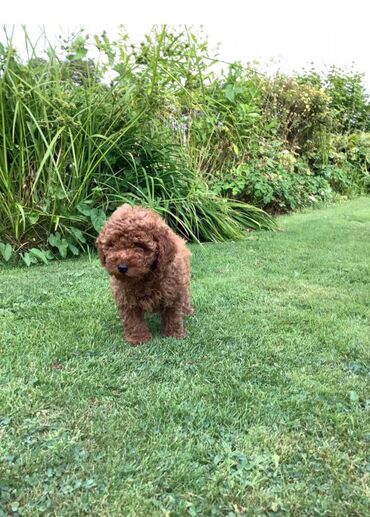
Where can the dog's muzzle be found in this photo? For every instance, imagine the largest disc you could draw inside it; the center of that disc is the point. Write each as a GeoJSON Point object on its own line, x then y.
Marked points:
{"type": "Point", "coordinates": [122, 268]}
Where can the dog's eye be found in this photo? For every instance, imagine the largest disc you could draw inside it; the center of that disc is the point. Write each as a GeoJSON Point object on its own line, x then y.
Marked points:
{"type": "Point", "coordinates": [140, 245]}
{"type": "Point", "coordinates": [109, 244]}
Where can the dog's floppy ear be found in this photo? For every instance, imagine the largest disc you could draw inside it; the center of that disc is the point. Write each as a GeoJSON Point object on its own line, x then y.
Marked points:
{"type": "Point", "coordinates": [166, 246]}
{"type": "Point", "coordinates": [99, 247]}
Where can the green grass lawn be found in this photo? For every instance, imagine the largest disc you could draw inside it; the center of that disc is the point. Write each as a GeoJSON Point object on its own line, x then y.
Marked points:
{"type": "Point", "coordinates": [263, 409]}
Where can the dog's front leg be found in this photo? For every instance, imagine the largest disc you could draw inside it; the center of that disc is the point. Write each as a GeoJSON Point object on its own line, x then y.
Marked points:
{"type": "Point", "coordinates": [172, 322]}
{"type": "Point", "coordinates": [135, 328]}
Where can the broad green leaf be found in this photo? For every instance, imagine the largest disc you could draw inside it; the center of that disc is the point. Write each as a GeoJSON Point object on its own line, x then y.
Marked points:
{"type": "Point", "coordinates": [63, 248]}
{"type": "Point", "coordinates": [98, 218]}
{"type": "Point", "coordinates": [77, 233]}
{"type": "Point", "coordinates": [73, 248]}
{"type": "Point", "coordinates": [39, 254]}
{"type": "Point", "coordinates": [6, 251]}
{"type": "Point", "coordinates": [26, 257]}
{"type": "Point", "coordinates": [54, 239]}
{"type": "Point", "coordinates": [84, 208]}
{"type": "Point", "coordinates": [230, 93]}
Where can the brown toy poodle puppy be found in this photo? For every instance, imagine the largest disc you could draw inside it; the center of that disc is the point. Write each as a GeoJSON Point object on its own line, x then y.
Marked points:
{"type": "Point", "coordinates": [150, 271]}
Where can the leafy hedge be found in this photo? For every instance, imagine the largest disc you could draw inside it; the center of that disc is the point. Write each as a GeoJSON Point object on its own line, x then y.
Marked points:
{"type": "Point", "coordinates": [156, 125]}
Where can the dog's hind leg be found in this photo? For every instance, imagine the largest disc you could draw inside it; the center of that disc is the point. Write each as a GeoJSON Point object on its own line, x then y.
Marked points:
{"type": "Point", "coordinates": [187, 308]}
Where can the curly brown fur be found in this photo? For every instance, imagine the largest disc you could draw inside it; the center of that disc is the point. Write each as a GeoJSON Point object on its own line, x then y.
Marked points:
{"type": "Point", "coordinates": [150, 271]}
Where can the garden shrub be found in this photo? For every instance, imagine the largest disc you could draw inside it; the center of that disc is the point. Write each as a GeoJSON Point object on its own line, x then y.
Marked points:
{"type": "Point", "coordinates": [155, 124]}
{"type": "Point", "coordinates": [299, 112]}
{"type": "Point", "coordinates": [348, 100]}
{"type": "Point", "coordinates": [228, 131]}
{"type": "Point", "coordinates": [73, 147]}
{"type": "Point", "coordinates": [348, 170]}
{"type": "Point", "coordinates": [278, 180]}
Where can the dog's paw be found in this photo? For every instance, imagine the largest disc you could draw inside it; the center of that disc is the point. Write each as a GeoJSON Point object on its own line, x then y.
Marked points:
{"type": "Point", "coordinates": [178, 334]}
{"type": "Point", "coordinates": [188, 310]}
{"type": "Point", "coordinates": [138, 339]}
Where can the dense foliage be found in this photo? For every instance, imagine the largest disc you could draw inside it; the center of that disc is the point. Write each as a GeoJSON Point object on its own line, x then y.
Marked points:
{"type": "Point", "coordinates": [156, 125]}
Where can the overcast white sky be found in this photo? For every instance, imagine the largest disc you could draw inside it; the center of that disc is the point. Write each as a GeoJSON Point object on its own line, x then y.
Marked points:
{"type": "Point", "coordinates": [292, 33]}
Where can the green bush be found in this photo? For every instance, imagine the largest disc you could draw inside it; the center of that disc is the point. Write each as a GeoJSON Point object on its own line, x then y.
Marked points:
{"type": "Point", "coordinates": [348, 170]}
{"type": "Point", "coordinates": [279, 190]}
{"type": "Point", "coordinates": [349, 101]}
{"type": "Point", "coordinates": [228, 131]}
{"type": "Point", "coordinates": [298, 113]}
{"type": "Point", "coordinates": [278, 181]}
{"type": "Point", "coordinates": [56, 133]}
{"type": "Point", "coordinates": [154, 124]}
{"type": "Point", "coordinates": [72, 148]}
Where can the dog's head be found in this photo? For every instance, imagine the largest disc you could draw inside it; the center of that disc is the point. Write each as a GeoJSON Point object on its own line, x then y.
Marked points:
{"type": "Point", "coordinates": [134, 243]}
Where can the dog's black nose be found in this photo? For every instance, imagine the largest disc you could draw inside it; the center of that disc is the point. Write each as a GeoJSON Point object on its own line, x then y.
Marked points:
{"type": "Point", "coordinates": [122, 268]}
